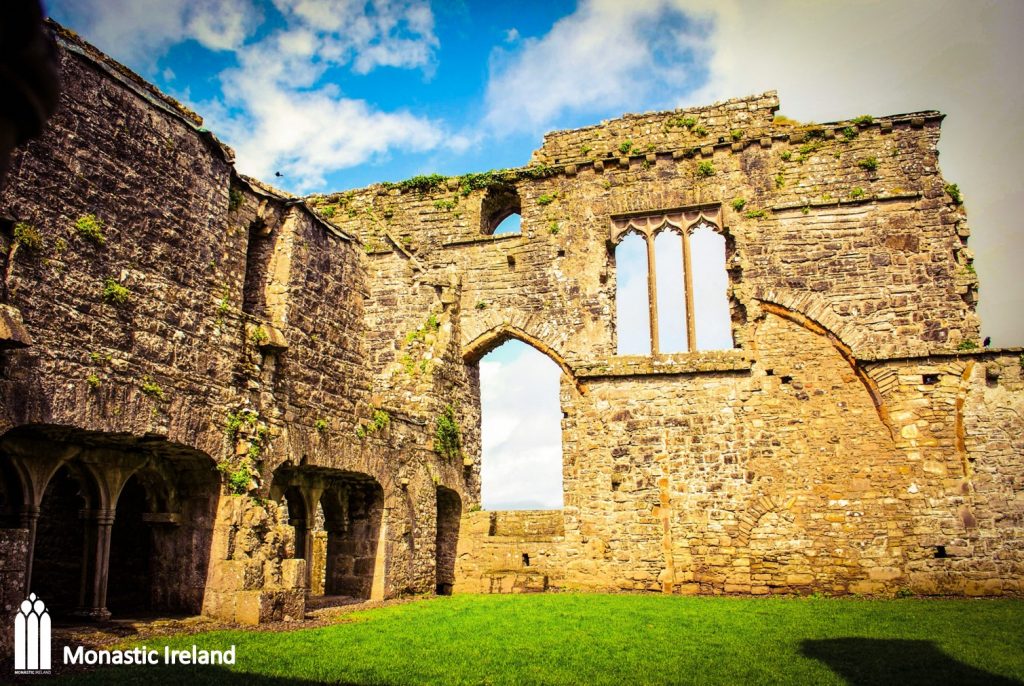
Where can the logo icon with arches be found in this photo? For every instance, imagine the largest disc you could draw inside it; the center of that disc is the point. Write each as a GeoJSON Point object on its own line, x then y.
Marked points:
{"type": "Point", "coordinates": [32, 636]}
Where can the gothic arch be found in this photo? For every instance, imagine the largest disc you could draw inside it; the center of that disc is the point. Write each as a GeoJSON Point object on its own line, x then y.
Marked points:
{"type": "Point", "coordinates": [816, 309]}
{"type": "Point", "coordinates": [844, 350]}
{"type": "Point", "coordinates": [491, 338]}
{"type": "Point", "coordinates": [678, 220]}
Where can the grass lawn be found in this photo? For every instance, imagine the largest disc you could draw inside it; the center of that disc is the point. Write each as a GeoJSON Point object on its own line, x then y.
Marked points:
{"type": "Point", "coordinates": [622, 639]}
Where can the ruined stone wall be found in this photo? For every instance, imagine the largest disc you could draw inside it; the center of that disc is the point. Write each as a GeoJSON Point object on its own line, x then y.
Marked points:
{"type": "Point", "coordinates": [782, 465]}
{"type": "Point", "coordinates": [13, 545]}
{"type": "Point", "coordinates": [157, 188]}
{"type": "Point", "coordinates": [511, 552]}
{"type": "Point", "coordinates": [844, 444]}
{"type": "Point", "coordinates": [959, 424]}
{"type": "Point", "coordinates": [258, 578]}
{"type": "Point", "coordinates": [638, 134]}
{"type": "Point", "coordinates": [240, 332]}
{"type": "Point", "coordinates": [854, 229]}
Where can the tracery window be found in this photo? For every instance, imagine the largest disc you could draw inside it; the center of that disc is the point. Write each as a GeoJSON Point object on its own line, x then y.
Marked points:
{"type": "Point", "coordinates": [687, 285]}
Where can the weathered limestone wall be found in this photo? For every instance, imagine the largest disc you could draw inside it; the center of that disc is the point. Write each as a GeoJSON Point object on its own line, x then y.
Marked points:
{"type": "Point", "coordinates": [157, 186]}
{"type": "Point", "coordinates": [973, 464]}
{"type": "Point", "coordinates": [784, 479]}
{"type": "Point", "coordinates": [845, 444]}
{"type": "Point", "coordinates": [258, 578]}
{"type": "Point", "coordinates": [878, 256]}
{"type": "Point", "coordinates": [782, 465]}
{"type": "Point", "coordinates": [510, 552]}
{"type": "Point", "coordinates": [659, 131]}
{"type": "Point", "coordinates": [242, 333]}
{"type": "Point", "coordinates": [13, 546]}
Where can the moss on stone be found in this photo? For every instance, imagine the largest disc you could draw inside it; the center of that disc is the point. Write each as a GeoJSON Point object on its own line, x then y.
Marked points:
{"type": "Point", "coordinates": [114, 293]}
{"type": "Point", "coordinates": [90, 227]}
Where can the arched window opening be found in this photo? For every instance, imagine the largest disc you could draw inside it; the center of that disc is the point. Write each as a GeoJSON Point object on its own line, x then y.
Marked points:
{"type": "Point", "coordinates": [296, 506]}
{"type": "Point", "coordinates": [353, 524]}
{"type": "Point", "coordinates": [631, 296]}
{"type": "Point", "coordinates": [258, 253]}
{"type": "Point", "coordinates": [500, 211]}
{"type": "Point", "coordinates": [710, 289]}
{"type": "Point", "coordinates": [11, 497]}
{"type": "Point", "coordinates": [338, 520]}
{"type": "Point", "coordinates": [139, 545]}
{"type": "Point", "coordinates": [510, 224]}
{"type": "Point", "coordinates": [521, 429]}
{"type": "Point", "coordinates": [668, 251]}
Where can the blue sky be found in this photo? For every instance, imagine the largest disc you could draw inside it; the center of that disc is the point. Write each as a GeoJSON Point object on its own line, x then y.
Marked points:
{"type": "Point", "coordinates": [338, 94]}
{"type": "Point", "coordinates": [391, 89]}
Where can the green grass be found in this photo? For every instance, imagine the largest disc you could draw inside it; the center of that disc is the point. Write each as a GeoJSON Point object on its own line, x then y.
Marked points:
{"type": "Point", "coordinates": [624, 639]}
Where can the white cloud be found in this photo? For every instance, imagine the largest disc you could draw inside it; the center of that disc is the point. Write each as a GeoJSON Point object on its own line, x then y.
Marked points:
{"type": "Point", "coordinates": [220, 24]}
{"type": "Point", "coordinates": [836, 60]}
{"type": "Point", "coordinates": [274, 107]}
{"type": "Point", "coordinates": [522, 429]}
{"type": "Point", "coordinates": [382, 33]}
{"type": "Point", "coordinates": [305, 134]}
{"type": "Point", "coordinates": [139, 32]}
{"type": "Point", "coordinates": [281, 118]}
{"type": "Point", "coordinates": [608, 54]}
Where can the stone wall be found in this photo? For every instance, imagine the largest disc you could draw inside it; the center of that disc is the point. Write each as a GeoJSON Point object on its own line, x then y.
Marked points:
{"type": "Point", "coordinates": [510, 552]}
{"type": "Point", "coordinates": [255, 576]}
{"type": "Point", "coordinates": [635, 134]}
{"type": "Point", "coordinates": [782, 465]}
{"type": "Point", "coordinates": [849, 441]}
{"type": "Point", "coordinates": [876, 255]}
{"type": "Point", "coordinates": [13, 547]}
{"type": "Point", "coordinates": [240, 332]}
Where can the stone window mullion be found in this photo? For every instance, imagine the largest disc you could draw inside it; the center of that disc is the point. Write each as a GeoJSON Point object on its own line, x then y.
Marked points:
{"type": "Point", "coordinates": [652, 293]}
{"type": "Point", "coordinates": [691, 322]}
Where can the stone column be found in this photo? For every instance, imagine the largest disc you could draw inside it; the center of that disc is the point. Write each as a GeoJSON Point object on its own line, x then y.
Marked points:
{"type": "Point", "coordinates": [311, 496]}
{"type": "Point", "coordinates": [301, 537]}
{"type": "Point", "coordinates": [30, 521]}
{"type": "Point", "coordinates": [96, 564]}
{"type": "Point", "coordinates": [691, 316]}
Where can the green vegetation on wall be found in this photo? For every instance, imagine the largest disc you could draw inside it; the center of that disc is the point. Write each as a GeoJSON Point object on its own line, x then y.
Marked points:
{"type": "Point", "coordinates": [953, 191]}
{"type": "Point", "coordinates": [28, 237]}
{"type": "Point", "coordinates": [705, 169]}
{"type": "Point", "coordinates": [114, 293]}
{"type": "Point", "coordinates": [447, 436]}
{"type": "Point", "coordinates": [89, 227]}
{"type": "Point", "coordinates": [380, 421]}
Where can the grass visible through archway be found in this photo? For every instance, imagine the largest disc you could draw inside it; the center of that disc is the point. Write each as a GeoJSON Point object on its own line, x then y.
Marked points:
{"type": "Point", "coordinates": [624, 639]}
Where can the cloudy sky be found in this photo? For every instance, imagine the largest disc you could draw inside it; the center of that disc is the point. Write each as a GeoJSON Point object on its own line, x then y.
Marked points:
{"type": "Point", "coordinates": [337, 94]}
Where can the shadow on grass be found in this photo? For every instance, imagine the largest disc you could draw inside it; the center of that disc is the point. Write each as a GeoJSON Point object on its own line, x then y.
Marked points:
{"type": "Point", "coordinates": [868, 661]}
